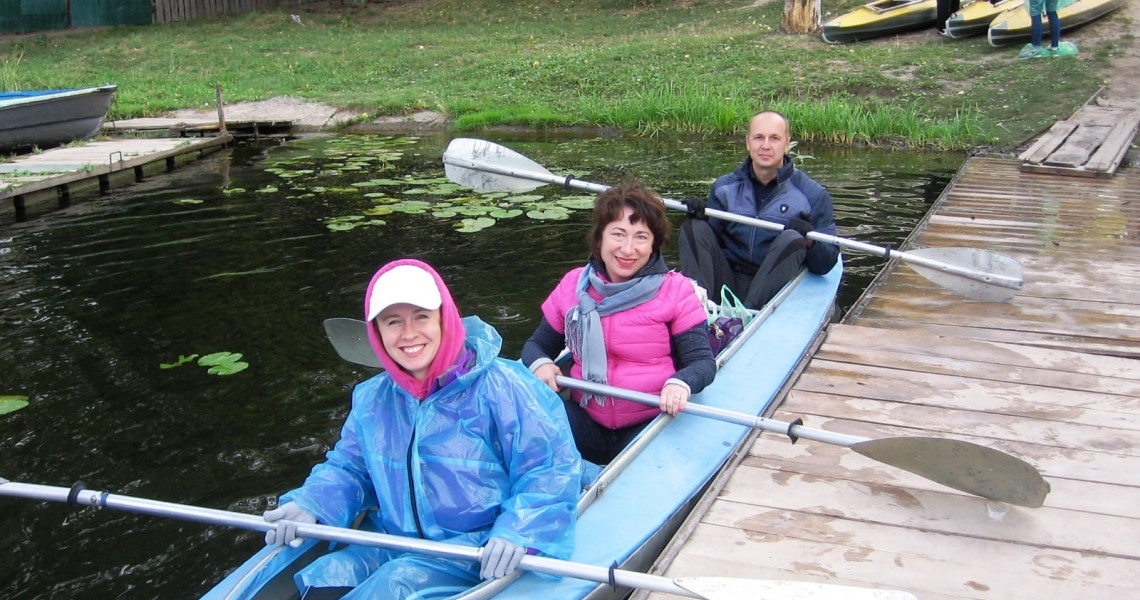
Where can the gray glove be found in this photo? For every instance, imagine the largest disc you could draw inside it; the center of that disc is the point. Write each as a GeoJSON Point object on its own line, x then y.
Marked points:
{"type": "Point", "coordinates": [499, 558]}
{"type": "Point", "coordinates": [287, 517]}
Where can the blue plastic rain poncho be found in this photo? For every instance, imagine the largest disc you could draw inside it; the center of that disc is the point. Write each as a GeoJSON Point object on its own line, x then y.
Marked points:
{"type": "Point", "coordinates": [486, 451]}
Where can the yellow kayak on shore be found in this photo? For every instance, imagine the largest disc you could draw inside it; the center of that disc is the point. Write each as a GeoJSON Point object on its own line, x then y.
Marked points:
{"type": "Point", "coordinates": [975, 17]}
{"type": "Point", "coordinates": [1012, 26]}
{"type": "Point", "coordinates": [883, 17]}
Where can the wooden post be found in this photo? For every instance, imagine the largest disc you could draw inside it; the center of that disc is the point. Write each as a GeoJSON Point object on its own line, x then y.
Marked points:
{"type": "Point", "coordinates": [802, 16]}
{"type": "Point", "coordinates": [221, 111]}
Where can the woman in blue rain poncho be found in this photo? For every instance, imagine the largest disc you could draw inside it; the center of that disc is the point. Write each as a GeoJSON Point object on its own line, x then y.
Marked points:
{"type": "Point", "coordinates": [450, 443]}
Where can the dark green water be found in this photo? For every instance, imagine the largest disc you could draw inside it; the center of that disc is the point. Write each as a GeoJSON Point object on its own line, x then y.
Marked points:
{"type": "Point", "coordinates": [94, 298]}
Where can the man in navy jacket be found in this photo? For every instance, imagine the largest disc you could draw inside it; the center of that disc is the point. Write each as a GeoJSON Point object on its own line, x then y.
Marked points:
{"type": "Point", "coordinates": [755, 262]}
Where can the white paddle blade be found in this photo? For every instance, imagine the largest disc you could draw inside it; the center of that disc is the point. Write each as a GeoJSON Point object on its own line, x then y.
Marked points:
{"type": "Point", "coordinates": [962, 465]}
{"type": "Point", "coordinates": [992, 277]}
{"type": "Point", "coordinates": [463, 155]}
{"type": "Point", "coordinates": [725, 588]}
{"type": "Point", "coordinates": [349, 338]}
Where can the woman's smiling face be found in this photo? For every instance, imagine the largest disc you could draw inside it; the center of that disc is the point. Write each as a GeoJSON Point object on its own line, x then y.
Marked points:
{"type": "Point", "coordinates": [626, 247]}
{"type": "Point", "coordinates": [411, 336]}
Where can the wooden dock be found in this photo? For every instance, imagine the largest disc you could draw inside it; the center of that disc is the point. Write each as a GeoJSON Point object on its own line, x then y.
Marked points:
{"type": "Point", "coordinates": [1090, 143]}
{"type": "Point", "coordinates": [198, 127]}
{"type": "Point", "coordinates": [49, 179]}
{"type": "Point", "coordinates": [1052, 377]}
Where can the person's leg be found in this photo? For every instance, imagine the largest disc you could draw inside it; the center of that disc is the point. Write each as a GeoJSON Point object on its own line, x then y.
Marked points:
{"type": "Point", "coordinates": [620, 438]}
{"type": "Point", "coordinates": [1033, 49]}
{"type": "Point", "coordinates": [702, 258]}
{"type": "Point", "coordinates": [1054, 24]}
{"type": "Point", "coordinates": [1036, 30]}
{"type": "Point", "coordinates": [784, 260]}
{"type": "Point", "coordinates": [419, 577]}
{"type": "Point", "coordinates": [942, 13]}
{"type": "Point", "coordinates": [588, 435]}
{"type": "Point", "coordinates": [331, 575]}
{"type": "Point", "coordinates": [329, 593]}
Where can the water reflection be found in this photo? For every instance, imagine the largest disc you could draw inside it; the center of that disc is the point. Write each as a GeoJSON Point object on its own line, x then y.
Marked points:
{"type": "Point", "coordinates": [228, 254]}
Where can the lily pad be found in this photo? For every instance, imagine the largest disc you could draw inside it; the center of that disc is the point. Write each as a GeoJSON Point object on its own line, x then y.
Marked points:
{"type": "Point", "coordinates": [188, 201]}
{"type": "Point", "coordinates": [577, 202]}
{"type": "Point", "coordinates": [505, 213]}
{"type": "Point", "coordinates": [12, 403]}
{"type": "Point", "coordinates": [223, 363]}
{"type": "Point", "coordinates": [525, 199]}
{"type": "Point", "coordinates": [556, 213]}
{"type": "Point", "coordinates": [473, 225]}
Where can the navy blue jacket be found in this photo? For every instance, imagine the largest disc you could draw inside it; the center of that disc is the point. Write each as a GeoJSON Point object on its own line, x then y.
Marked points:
{"type": "Point", "coordinates": [794, 193]}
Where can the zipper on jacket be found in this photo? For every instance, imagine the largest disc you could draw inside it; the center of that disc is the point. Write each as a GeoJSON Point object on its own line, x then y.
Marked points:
{"type": "Point", "coordinates": [412, 487]}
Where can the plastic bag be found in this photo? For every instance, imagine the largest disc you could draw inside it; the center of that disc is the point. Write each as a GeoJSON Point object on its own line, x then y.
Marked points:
{"type": "Point", "coordinates": [722, 331]}
{"type": "Point", "coordinates": [731, 306]}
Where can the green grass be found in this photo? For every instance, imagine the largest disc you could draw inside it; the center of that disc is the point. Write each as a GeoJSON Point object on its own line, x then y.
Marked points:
{"type": "Point", "coordinates": [645, 67]}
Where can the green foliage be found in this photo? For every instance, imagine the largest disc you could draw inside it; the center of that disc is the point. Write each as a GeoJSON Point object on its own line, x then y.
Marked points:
{"type": "Point", "coordinates": [12, 403]}
{"type": "Point", "coordinates": [223, 363]}
{"type": "Point", "coordinates": [217, 363]}
{"type": "Point", "coordinates": [644, 66]}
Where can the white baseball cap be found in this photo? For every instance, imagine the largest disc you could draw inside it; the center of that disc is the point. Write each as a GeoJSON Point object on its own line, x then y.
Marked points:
{"type": "Point", "coordinates": [403, 284]}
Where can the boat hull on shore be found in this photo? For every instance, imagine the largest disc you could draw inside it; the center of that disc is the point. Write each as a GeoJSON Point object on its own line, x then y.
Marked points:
{"type": "Point", "coordinates": [880, 18]}
{"type": "Point", "coordinates": [47, 118]}
{"type": "Point", "coordinates": [1013, 26]}
{"type": "Point", "coordinates": [975, 17]}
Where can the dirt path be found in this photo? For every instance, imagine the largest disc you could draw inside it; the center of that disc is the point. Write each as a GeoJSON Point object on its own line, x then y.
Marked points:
{"type": "Point", "coordinates": [1124, 80]}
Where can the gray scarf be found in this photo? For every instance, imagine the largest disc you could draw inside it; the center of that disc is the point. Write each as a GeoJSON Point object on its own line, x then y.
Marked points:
{"type": "Point", "coordinates": [584, 322]}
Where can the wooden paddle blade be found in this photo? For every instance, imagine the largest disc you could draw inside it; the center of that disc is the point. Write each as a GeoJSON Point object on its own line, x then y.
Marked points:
{"type": "Point", "coordinates": [963, 466]}
{"type": "Point", "coordinates": [724, 588]}
{"type": "Point", "coordinates": [349, 338]}
{"type": "Point", "coordinates": [971, 272]}
{"type": "Point", "coordinates": [461, 153]}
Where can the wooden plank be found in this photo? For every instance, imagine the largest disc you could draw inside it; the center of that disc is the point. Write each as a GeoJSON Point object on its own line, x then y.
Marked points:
{"type": "Point", "coordinates": [979, 350]}
{"type": "Point", "coordinates": [1041, 377]}
{"type": "Point", "coordinates": [940, 513]}
{"type": "Point", "coordinates": [832, 461]}
{"type": "Point", "coordinates": [1078, 146]}
{"type": "Point", "coordinates": [1078, 318]}
{"type": "Point", "coordinates": [1099, 346]}
{"type": "Point", "coordinates": [1051, 460]}
{"type": "Point", "coordinates": [1024, 401]}
{"type": "Point", "coordinates": [1046, 144]}
{"type": "Point", "coordinates": [1110, 154]}
{"type": "Point", "coordinates": [786, 545]}
{"type": "Point", "coordinates": [943, 421]}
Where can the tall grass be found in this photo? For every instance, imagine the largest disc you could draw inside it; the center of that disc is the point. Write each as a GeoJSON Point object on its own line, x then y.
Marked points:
{"type": "Point", "coordinates": [646, 67]}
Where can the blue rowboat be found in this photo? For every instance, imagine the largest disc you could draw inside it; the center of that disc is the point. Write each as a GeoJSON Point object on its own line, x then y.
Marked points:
{"type": "Point", "coordinates": [46, 118]}
{"type": "Point", "coordinates": [643, 496]}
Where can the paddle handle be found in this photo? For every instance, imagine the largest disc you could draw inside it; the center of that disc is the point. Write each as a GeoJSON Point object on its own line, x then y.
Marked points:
{"type": "Point", "coordinates": [880, 251]}
{"type": "Point", "coordinates": [77, 496]}
{"type": "Point", "coordinates": [794, 431]}
{"type": "Point", "coordinates": [570, 182]}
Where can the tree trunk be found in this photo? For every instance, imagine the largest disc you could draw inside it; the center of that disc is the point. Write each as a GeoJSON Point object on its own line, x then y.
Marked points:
{"type": "Point", "coordinates": [801, 16]}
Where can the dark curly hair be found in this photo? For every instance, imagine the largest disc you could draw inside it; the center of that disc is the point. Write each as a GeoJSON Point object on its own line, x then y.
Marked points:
{"type": "Point", "coordinates": [647, 207]}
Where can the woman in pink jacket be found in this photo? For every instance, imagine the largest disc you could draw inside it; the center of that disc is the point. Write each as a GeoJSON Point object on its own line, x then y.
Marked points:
{"type": "Point", "coordinates": [628, 321]}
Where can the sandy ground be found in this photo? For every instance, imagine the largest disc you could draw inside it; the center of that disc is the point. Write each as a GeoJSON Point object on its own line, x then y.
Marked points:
{"type": "Point", "coordinates": [1123, 83]}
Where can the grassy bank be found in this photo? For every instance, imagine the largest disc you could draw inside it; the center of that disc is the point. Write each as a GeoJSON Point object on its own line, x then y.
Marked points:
{"type": "Point", "coordinates": [690, 67]}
